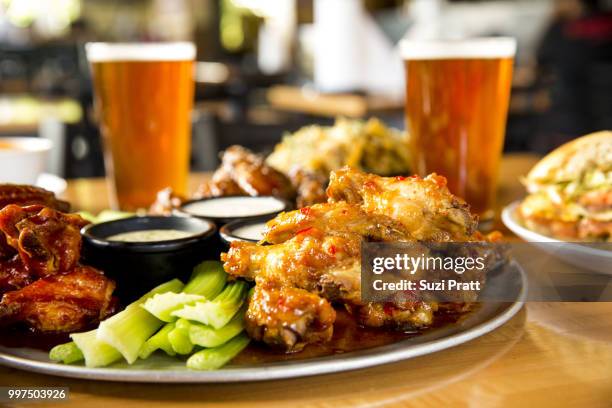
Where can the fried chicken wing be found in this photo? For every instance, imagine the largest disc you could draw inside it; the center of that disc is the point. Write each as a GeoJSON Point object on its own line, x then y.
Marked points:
{"type": "Point", "coordinates": [339, 217]}
{"type": "Point", "coordinates": [310, 186]}
{"type": "Point", "coordinates": [289, 317]}
{"type": "Point", "coordinates": [166, 201]}
{"type": "Point", "coordinates": [47, 240]}
{"type": "Point", "coordinates": [423, 205]}
{"type": "Point", "coordinates": [13, 274]}
{"type": "Point", "coordinates": [29, 195]}
{"type": "Point", "coordinates": [64, 302]}
{"type": "Point", "coordinates": [243, 172]}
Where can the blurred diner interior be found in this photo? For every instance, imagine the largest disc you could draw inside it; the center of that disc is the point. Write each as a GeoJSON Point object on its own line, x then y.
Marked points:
{"type": "Point", "coordinates": [267, 67]}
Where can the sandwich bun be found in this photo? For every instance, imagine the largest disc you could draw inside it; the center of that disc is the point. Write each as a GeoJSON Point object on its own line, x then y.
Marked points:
{"type": "Point", "coordinates": [571, 160]}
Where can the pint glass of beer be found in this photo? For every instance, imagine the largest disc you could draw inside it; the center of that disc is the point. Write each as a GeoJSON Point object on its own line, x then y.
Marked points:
{"type": "Point", "coordinates": [143, 100]}
{"type": "Point", "coordinates": [457, 95]}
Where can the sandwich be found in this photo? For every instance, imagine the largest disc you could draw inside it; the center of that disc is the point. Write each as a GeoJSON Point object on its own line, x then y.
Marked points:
{"type": "Point", "coordinates": [570, 191]}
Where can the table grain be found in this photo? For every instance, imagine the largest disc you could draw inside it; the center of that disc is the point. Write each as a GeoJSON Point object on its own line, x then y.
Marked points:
{"type": "Point", "coordinates": [549, 354]}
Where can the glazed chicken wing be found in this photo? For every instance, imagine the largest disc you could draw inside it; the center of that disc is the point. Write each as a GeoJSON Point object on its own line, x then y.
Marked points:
{"type": "Point", "coordinates": [423, 205]}
{"type": "Point", "coordinates": [305, 261]}
{"type": "Point", "coordinates": [29, 195]}
{"type": "Point", "coordinates": [339, 217]}
{"type": "Point", "coordinates": [289, 317]}
{"type": "Point", "coordinates": [46, 240]}
{"type": "Point", "coordinates": [64, 302]}
{"type": "Point", "coordinates": [315, 255]}
{"type": "Point", "coordinates": [245, 173]}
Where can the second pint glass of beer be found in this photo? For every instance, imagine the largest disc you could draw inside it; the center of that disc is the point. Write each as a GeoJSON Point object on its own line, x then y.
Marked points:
{"type": "Point", "coordinates": [456, 106]}
{"type": "Point", "coordinates": [143, 99]}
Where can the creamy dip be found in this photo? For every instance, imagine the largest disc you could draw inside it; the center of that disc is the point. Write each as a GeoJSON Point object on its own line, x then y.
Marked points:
{"type": "Point", "coordinates": [252, 231]}
{"type": "Point", "coordinates": [235, 207]}
{"type": "Point", "coordinates": [151, 235]}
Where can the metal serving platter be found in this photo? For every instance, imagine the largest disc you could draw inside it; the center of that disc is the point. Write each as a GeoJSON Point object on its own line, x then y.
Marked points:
{"type": "Point", "coordinates": [163, 369]}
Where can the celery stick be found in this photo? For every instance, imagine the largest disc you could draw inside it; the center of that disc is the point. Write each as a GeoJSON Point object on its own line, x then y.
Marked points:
{"type": "Point", "coordinates": [218, 312]}
{"type": "Point", "coordinates": [66, 353]}
{"type": "Point", "coordinates": [207, 336]}
{"type": "Point", "coordinates": [159, 341]}
{"type": "Point", "coordinates": [96, 352]}
{"type": "Point", "coordinates": [86, 215]}
{"type": "Point", "coordinates": [162, 304]}
{"type": "Point", "coordinates": [111, 215]}
{"type": "Point", "coordinates": [206, 282]}
{"type": "Point", "coordinates": [129, 329]}
{"type": "Point", "coordinates": [179, 337]}
{"type": "Point", "coordinates": [214, 358]}
{"type": "Point", "coordinates": [207, 279]}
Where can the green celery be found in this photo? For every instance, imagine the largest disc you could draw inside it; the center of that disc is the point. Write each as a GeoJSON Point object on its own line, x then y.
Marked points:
{"type": "Point", "coordinates": [207, 279]}
{"type": "Point", "coordinates": [214, 358]}
{"type": "Point", "coordinates": [218, 312]}
{"type": "Point", "coordinates": [179, 337]}
{"type": "Point", "coordinates": [96, 352]}
{"type": "Point", "coordinates": [162, 304]}
{"type": "Point", "coordinates": [86, 215]}
{"type": "Point", "coordinates": [159, 341]}
{"type": "Point", "coordinates": [129, 329]}
{"type": "Point", "coordinates": [207, 336]}
{"type": "Point", "coordinates": [66, 353]}
{"type": "Point", "coordinates": [112, 215]}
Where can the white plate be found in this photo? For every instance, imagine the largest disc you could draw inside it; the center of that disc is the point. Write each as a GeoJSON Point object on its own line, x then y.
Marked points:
{"type": "Point", "coordinates": [53, 183]}
{"type": "Point", "coordinates": [576, 254]}
{"type": "Point", "coordinates": [163, 369]}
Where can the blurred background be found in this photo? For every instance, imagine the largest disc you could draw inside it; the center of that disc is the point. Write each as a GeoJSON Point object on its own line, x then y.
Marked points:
{"type": "Point", "coordinates": [268, 67]}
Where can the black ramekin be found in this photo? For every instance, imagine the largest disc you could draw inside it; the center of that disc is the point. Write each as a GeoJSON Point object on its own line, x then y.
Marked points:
{"type": "Point", "coordinates": [227, 232]}
{"type": "Point", "coordinates": [220, 221]}
{"type": "Point", "coordinates": [139, 266]}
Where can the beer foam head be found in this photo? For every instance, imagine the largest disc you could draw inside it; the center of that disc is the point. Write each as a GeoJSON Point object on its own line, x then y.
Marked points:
{"type": "Point", "coordinates": [171, 51]}
{"type": "Point", "coordinates": [475, 48]}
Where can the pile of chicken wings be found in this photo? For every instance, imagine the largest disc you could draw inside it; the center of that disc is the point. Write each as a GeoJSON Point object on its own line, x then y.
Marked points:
{"type": "Point", "coordinates": [310, 259]}
{"type": "Point", "coordinates": [42, 284]}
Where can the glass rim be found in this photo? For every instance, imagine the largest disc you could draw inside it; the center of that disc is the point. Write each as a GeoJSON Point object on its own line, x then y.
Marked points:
{"type": "Point", "coordinates": [466, 48]}
{"type": "Point", "coordinates": [140, 51]}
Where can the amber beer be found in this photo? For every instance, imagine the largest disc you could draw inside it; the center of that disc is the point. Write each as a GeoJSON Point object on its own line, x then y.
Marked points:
{"type": "Point", "coordinates": [456, 106]}
{"type": "Point", "coordinates": [143, 100]}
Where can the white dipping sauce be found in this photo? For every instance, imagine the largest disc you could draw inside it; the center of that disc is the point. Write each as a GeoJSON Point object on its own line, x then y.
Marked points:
{"type": "Point", "coordinates": [152, 235]}
{"type": "Point", "coordinates": [235, 207]}
{"type": "Point", "coordinates": [251, 231]}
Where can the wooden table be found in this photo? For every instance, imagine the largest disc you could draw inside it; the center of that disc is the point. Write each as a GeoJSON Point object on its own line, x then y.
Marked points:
{"type": "Point", "coordinates": [550, 354]}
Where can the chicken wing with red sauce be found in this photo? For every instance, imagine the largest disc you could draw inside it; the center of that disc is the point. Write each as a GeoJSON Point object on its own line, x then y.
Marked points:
{"type": "Point", "coordinates": [243, 172]}
{"type": "Point", "coordinates": [47, 240]}
{"type": "Point", "coordinates": [289, 317]}
{"type": "Point", "coordinates": [65, 302]}
{"type": "Point", "coordinates": [24, 195]}
{"type": "Point", "coordinates": [424, 206]}
{"type": "Point", "coordinates": [339, 217]}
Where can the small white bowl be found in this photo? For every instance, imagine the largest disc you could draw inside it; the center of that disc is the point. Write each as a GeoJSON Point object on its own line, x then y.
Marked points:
{"type": "Point", "coordinates": [24, 160]}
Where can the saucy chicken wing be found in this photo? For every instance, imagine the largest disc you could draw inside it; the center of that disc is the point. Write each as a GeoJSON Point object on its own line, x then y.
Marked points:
{"type": "Point", "coordinates": [424, 206]}
{"type": "Point", "coordinates": [65, 302]}
{"type": "Point", "coordinates": [28, 195]}
{"type": "Point", "coordinates": [47, 240]}
{"type": "Point", "coordinates": [335, 217]}
{"type": "Point", "coordinates": [289, 317]}
{"type": "Point", "coordinates": [243, 172]}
